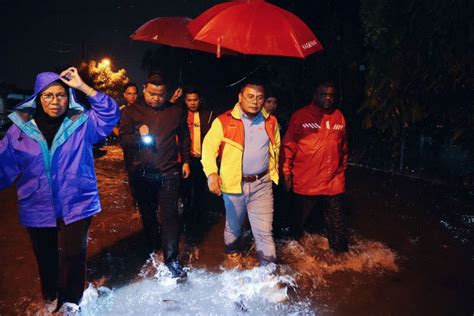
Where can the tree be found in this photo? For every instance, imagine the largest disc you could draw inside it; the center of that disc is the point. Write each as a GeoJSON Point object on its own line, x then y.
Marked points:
{"type": "Point", "coordinates": [419, 60]}
{"type": "Point", "coordinates": [104, 78]}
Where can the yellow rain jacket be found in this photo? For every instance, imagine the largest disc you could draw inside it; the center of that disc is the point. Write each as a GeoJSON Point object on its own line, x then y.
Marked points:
{"type": "Point", "coordinates": [226, 140]}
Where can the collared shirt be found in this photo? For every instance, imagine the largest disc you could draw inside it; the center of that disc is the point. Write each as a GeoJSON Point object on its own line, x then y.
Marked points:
{"type": "Point", "coordinates": [256, 155]}
{"type": "Point", "coordinates": [194, 125]}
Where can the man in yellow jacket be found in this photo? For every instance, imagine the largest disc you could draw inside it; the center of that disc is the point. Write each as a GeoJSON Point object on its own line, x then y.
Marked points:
{"type": "Point", "coordinates": [247, 140]}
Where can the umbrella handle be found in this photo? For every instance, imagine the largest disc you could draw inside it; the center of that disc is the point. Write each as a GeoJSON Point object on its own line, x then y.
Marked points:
{"type": "Point", "coordinates": [218, 53]}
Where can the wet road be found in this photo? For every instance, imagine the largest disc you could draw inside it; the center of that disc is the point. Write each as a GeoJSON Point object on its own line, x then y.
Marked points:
{"type": "Point", "coordinates": [408, 255]}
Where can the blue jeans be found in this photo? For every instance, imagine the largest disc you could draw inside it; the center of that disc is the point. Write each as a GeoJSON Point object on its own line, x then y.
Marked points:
{"type": "Point", "coordinates": [256, 200]}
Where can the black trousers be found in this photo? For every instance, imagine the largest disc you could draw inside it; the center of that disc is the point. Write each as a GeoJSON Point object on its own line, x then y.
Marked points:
{"type": "Point", "coordinates": [332, 213]}
{"type": "Point", "coordinates": [196, 199]}
{"type": "Point", "coordinates": [128, 161]}
{"type": "Point", "coordinates": [281, 206]}
{"type": "Point", "coordinates": [160, 192]}
{"type": "Point", "coordinates": [61, 254]}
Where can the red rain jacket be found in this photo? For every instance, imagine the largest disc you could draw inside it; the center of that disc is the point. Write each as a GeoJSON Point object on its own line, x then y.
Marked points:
{"type": "Point", "coordinates": [314, 151]}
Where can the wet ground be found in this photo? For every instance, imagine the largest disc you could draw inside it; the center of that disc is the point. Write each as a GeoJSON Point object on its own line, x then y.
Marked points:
{"type": "Point", "coordinates": [411, 254]}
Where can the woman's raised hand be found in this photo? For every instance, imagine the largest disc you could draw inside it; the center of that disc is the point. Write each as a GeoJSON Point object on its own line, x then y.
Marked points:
{"type": "Point", "coordinates": [71, 77]}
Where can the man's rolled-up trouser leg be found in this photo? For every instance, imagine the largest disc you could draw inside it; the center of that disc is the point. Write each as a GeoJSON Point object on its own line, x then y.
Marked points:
{"type": "Point", "coordinates": [260, 212]}
{"type": "Point", "coordinates": [235, 208]}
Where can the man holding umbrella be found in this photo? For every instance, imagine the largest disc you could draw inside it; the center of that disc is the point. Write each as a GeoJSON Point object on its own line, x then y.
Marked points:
{"type": "Point", "coordinates": [194, 194]}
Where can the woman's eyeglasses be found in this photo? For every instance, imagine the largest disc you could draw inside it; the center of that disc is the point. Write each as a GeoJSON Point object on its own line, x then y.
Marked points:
{"type": "Point", "coordinates": [48, 97]}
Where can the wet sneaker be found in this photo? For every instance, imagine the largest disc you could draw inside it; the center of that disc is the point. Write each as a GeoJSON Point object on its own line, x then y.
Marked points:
{"type": "Point", "coordinates": [176, 270]}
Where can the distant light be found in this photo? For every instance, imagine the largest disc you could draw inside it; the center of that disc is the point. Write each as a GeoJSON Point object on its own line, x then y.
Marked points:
{"type": "Point", "coordinates": [147, 139]}
{"type": "Point", "coordinates": [105, 61]}
{"type": "Point", "coordinates": [362, 67]}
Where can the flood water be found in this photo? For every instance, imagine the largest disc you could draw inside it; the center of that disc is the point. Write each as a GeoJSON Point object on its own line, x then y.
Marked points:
{"type": "Point", "coordinates": [406, 258]}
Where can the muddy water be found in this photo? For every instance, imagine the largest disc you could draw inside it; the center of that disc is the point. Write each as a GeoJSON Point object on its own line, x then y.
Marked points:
{"type": "Point", "coordinates": [403, 260]}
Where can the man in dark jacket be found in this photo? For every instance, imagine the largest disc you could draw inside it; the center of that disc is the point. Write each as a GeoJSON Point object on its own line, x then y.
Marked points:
{"type": "Point", "coordinates": [195, 196]}
{"type": "Point", "coordinates": [151, 130]}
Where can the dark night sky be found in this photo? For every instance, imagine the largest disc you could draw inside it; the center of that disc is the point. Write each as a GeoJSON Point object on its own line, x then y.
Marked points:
{"type": "Point", "coordinates": [43, 35]}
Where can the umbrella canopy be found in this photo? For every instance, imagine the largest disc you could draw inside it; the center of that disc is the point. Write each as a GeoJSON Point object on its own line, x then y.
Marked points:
{"type": "Point", "coordinates": [172, 31]}
{"type": "Point", "coordinates": [255, 27]}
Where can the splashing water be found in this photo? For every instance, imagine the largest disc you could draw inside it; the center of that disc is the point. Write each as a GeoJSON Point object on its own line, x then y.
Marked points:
{"type": "Point", "coordinates": [313, 260]}
{"type": "Point", "coordinates": [257, 291]}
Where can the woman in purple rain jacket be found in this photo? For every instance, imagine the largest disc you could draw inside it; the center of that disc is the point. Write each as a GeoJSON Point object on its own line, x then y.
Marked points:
{"type": "Point", "coordinates": [48, 152]}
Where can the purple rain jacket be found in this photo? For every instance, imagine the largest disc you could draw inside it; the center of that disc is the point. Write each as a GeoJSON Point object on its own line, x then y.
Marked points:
{"type": "Point", "coordinates": [59, 182]}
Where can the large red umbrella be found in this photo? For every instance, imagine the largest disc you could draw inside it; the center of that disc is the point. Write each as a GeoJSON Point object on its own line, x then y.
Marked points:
{"type": "Point", "coordinates": [255, 27]}
{"type": "Point", "coordinates": [172, 31]}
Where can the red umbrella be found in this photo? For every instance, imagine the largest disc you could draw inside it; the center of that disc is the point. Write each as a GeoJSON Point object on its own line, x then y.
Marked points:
{"type": "Point", "coordinates": [172, 31]}
{"type": "Point", "coordinates": [255, 27]}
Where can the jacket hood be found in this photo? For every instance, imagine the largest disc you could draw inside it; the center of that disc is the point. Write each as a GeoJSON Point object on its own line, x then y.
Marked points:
{"type": "Point", "coordinates": [43, 80]}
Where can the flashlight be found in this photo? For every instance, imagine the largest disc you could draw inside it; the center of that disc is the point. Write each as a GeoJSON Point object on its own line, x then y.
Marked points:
{"type": "Point", "coordinates": [147, 139]}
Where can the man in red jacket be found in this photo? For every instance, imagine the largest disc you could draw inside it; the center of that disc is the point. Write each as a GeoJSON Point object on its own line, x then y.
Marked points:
{"type": "Point", "coordinates": [314, 159]}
